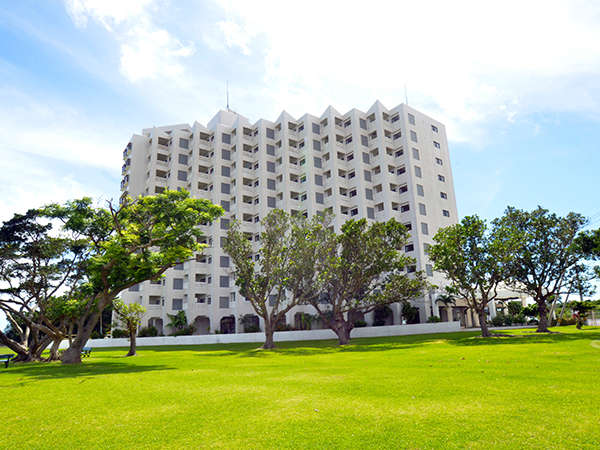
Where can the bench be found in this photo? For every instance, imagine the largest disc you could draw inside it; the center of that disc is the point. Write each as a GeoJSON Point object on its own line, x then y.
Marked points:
{"type": "Point", "coordinates": [6, 359]}
{"type": "Point", "coordinates": [86, 351]}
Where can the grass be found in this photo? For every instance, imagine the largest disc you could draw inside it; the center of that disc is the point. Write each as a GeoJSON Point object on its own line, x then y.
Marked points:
{"type": "Point", "coordinates": [445, 390]}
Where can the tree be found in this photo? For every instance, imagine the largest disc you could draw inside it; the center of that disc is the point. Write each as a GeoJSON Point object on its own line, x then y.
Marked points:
{"type": "Point", "coordinates": [282, 274]}
{"type": "Point", "coordinates": [581, 309]}
{"type": "Point", "coordinates": [474, 259]}
{"type": "Point", "coordinates": [545, 251]}
{"type": "Point", "coordinates": [129, 244]}
{"type": "Point", "coordinates": [131, 315]}
{"type": "Point", "coordinates": [35, 266]}
{"type": "Point", "coordinates": [364, 268]}
{"type": "Point", "coordinates": [589, 243]}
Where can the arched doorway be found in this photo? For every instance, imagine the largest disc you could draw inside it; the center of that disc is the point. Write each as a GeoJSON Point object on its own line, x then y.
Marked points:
{"type": "Point", "coordinates": [157, 323]}
{"type": "Point", "coordinates": [357, 318]}
{"type": "Point", "coordinates": [227, 325]}
{"type": "Point", "coordinates": [250, 323]}
{"type": "Point", "coordinates": [383, 316]}
{"type": "Point", "coordinates": [201, 325]}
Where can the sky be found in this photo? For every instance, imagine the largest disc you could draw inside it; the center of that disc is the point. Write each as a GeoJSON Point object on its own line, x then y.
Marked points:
{"type": "Point", "coordinates": [515, 83]}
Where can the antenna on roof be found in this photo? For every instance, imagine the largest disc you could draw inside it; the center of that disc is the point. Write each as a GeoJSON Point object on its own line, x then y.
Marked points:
{"type": "Point", "coordinates": [227, 95]}
{"type": "Point", "coordinates": [405, 94]}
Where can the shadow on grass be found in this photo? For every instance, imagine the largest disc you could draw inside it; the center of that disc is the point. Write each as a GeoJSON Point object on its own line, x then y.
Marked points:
{"type": "Point", "coordinates": [527, 337]}
{"type": "Point", "coordinates": [47, 371]}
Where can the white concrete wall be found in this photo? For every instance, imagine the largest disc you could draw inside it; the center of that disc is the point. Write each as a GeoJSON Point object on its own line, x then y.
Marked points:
{"type": "Point", "coordinates": [280, 336]}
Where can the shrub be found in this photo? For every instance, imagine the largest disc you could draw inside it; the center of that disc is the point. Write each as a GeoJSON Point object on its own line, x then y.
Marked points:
{"type": "Point", "coordinates": [185, 331]}
{"type": "Point", "coordinates": [150, 331]}
{"type": "Point", "coordinates": [508, 320]}
{"type": "Point", "coordinates": [252, 329]}
{"type": "Point", "coordinates": [118, 333]}
{"type": "Point", "coordinates": [283, 327]}
{"type": "Point", "coordinates": [498, 320]}
{"type": "Point", "coordinates": [410, 313]}
{"type": "Point", "coordinates": [360, 324]}
{"type": "Point", "coordinates": [515, 308]}
{"type": "Point", "coordinates": [95, 335]}
{"type": "Point", "coordinates": [434, 319]}
{"type": "Point", "coordinates": [566, 321]}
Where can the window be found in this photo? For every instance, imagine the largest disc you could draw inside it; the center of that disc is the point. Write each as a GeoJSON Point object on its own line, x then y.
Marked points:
{"type": "Point", "coordinates": [184, 143]}
{"type": "Point", "coordinates": [420, 190]}
{"type": "Point", "coordinates": [424, 228]}
{"type": "Point", "coordinates": [367, 175]}
{"type": "Point", "coordinates": [422, 209]}
{"type": "Point", "coordinates": [317, 145]}
{"type": "Point", "coordinates": [271, 202]}
{"type": "Point", "coordinates": [404, 207]}
{"type": "Point", "coordinates": [401, 170]}
{"type": "Point", "coordinates": [226, 155]}
{"type": "Point", "coordinates": [182, 175]}
{"type": "Point", "coordinates": [415, 153]}
{"type": "Point", "coordinates": [395, 118]}
{"type": "Point", "coordinates": [409, 248]}
{"type": "Point", "coordinates": [366, 158]}
{"type": "Point", "coordinates": [369, 194]}
{"type": "Point", "coordinates": [408, 226]}
{"type": "Point", "coordinates": [225, 188]}
{"type": "Point", "coordinates": [225, 205]}
{"type": "Point", "coordinates": [270, 150]}
{"type": "Point", "coordinates": [200, 298]}
{"type": "Point", "coordinates": [225, 171]}
{"type": "Point", "coordinates": [442, 178]}
{"type": "Point", "coordinates": [434, 128]}
{"type": "Point", "coordinates": [319, 180]}
{"type": "Point", "coordinates": [370, 213]}
{"type": "Point", "coordinates": [411, 119]}
{"type": "Point", "coordinates": [154, 300]}
{"type": "Point", "coordinates": [316, 128]}
{"type": "Point", "coordinates": [418, 172]}
{"type": "Point", "coordinates": [178, 266]}
{"type": "Point", "coordinates": [270, 133]}
{"type": "Point", "coordinates": [224, 281]}
{"type": "Point", "coordinates": [439, 161]}
{"type": "Point", "coordinates": [362, 123]}
{"type": "Point", "coordinates": [225, 138]}
{"type": "Point", "coordinates": [319, 197]}
{"type": "Point", "coordinates": [426, 248]}
{"type": "Point", "coordinates": [224, 224]}
{"type": "Point", "coordinates": [436, 144]}
{"type": "Point", "coordinates": [178, 283]}
{"type": "Point", "coordinates": [270, 166]}
{"type": "Point", "coordinates": [317, 162]}
{"type": "Point", "coordinates": [183, 159]}
{"type": "Point", "coordinates": [397, 135]}
{"type": "Point", "coordinates": [429, 270]}
{"type": "Point", "coordinates": [270, 184]}
{"type": "Point", "coordinates": [445, 213]}
{"type": "Point", "coordinates": [413, 136]}
{"type": "Point", "coordinates": [134, 288]}
{"type": "Point", "coordinates": [223, 302]}
{"type": "Point", "coordinates": [177, 304]}
{"type": "Point", "coordinates": [224, 261]}
{"type": "Point", "coordinates": [443, 195]}
{"type": "Point", "coordinates": [411, 269]}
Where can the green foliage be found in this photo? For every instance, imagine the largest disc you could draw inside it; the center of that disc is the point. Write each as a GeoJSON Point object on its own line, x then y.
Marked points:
{"type": "Point", "coordinates": [530, 310]}
{"type": "Point", "coordinates": [188, 330]}
{"type": "Point", "coordinates": [177, 321]}
{"type": "Point", "coordinates": [381, 314]}
{"type": "Point", "coordinates": [129, 313]}
{"type": "Point", "coordinates": [514, 308]}
{"type": "Point", "coordinates": [150, 331]}
{"type": "Point", "coordinates": [434, 319]}
{"type": "Point", "coordinates": [360, 324]}
{"type": "Point", "coordinates": [119, 333]}
{"type": "Point", "coordinates": [410, 313]}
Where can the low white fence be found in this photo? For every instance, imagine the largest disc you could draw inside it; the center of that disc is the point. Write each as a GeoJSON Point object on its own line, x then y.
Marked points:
{"type": "Point", "coordinates": [280, 336]}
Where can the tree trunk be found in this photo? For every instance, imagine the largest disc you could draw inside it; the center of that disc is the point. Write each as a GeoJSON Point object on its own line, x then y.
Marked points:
{"type": "Point", "coordinates": [132, 343]}
{"type": "Point", "coordinates": [342, 329]}
{"type": "Point", "coordinates": [543, 312]}
{"type": "Point", "coordinates": [485, 332]}
{"type": "Point", "coordinates": [54, 355]}
{"type": "Point", "coordinates": [21, 350]}
{"type": "Point", "coordinates": [269, 342]}
{"type": "Point", "coordinates": [73, 354]}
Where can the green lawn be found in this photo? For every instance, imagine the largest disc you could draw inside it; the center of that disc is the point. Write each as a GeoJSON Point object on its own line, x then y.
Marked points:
{"type": "Point", "coordinates": [445, 390]}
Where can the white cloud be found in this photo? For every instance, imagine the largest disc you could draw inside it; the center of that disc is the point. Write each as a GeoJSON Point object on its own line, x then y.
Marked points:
{"type": "Point", "coordinates": [466, 62]}
{"type": "Point", "coordinates": [147, 50]}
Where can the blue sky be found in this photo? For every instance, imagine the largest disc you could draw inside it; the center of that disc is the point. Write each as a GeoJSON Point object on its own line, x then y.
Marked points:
{"type": "Point", "coordinates": [516, 84]}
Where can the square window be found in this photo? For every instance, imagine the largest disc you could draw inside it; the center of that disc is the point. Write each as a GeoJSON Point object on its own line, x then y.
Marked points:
{"type": "Point", "coordinates": [317, 145]}
{"type": "Point", "coordinates": [226, 155]}
{"type": "Point", "coordinates": [183, 159]}
{"type": "Point", "coordinates": [370, 213]}
{"type": "Point", "coordinates": [362, 123]}
{"type": "Point", "coordinates": [223, 302]}
{"type": "Point", "coordinates": [420, 190]}
{"type": "Point", "coordinates": [367, 175]}
{"type": "Point", "coordinates": [409, 248]}
{"type": "Point", "coordinates": [434, 128]}
{"type": "Point", "coordinates": [270, 133]}
{"type": "Point", "coordinates": [178, 266]}
{"type": "Point", "coordinates": [443, 195]}
{"type": "Point", "coordinates": [184, 143]}
{"type": "Point", "coordinates": [415, 153]}
{"type": "Point", "coordinates": [364, 140]}
{"type": "Point", "coordinates": [411, 119]}
{"type": "Point", "coordinates": [436, 144]}
{"type": "Point", "coordinates": [319, 197]}
{"type": "Point", "coordinates": [177, 304]}
{"type": "Point", "coordinates": [271, 202]}
{"type": "Point", "coordinates": [429, 270]}
{"type": "Point", "coordinates": [178, 283]}
{"type": "Point", "coordinates": [422, 209]}
{"type": "Point", "coordinates": [319, 180]}
{"type": "Point", "coordinates": [225, 138]}
{"type": "Point", "coordinates": [225, 205]}
{"type": "Point", "coordinates": [445, 213]}
{"type": "Point", "coordinates": [442, 178]}
{"type": "Point", "coordinates": [424, 228]}
{"type": "Point", "coordinates": [418, 172]}
{"type": "Point", "coordinates": [270, 184]}
{"type": "Point", "coordinates": [369, 194]}
{"type": "Point", "coordinates": [182, 175]}
{"type": "Point", "coordinates": [397, 135]}
{"type": "Point", "coordinates": [439, 161]}
{"type": "Point", "coordinates": [316, 128]}
{"type": "Point", "coordinates": [225, 189]}
{"type": "Point", "coordinates": [404, 207]}
{"type": "Point", "coordinates": [270, 166]}
{"type": "Point", "coordinates": [224, 261]}
{"type": "Point", "coordinates": [413, 136]}
{"type": "Point", "coordinates": [317, 162]}
{"type": "Point", "coordinates": [411, 269]}
{"type": "Point", "coordinates": [225, 171]}
{"type": "Point", "coordinates": [366, 158]}
{"type": "Point", "coordinates": [224, 281]}
{"type": "Point", "coordinates": [224, 224]}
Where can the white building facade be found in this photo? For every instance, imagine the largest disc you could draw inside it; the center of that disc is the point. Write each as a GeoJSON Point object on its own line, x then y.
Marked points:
{"type": "Point", "coordinates": [377, 164]}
